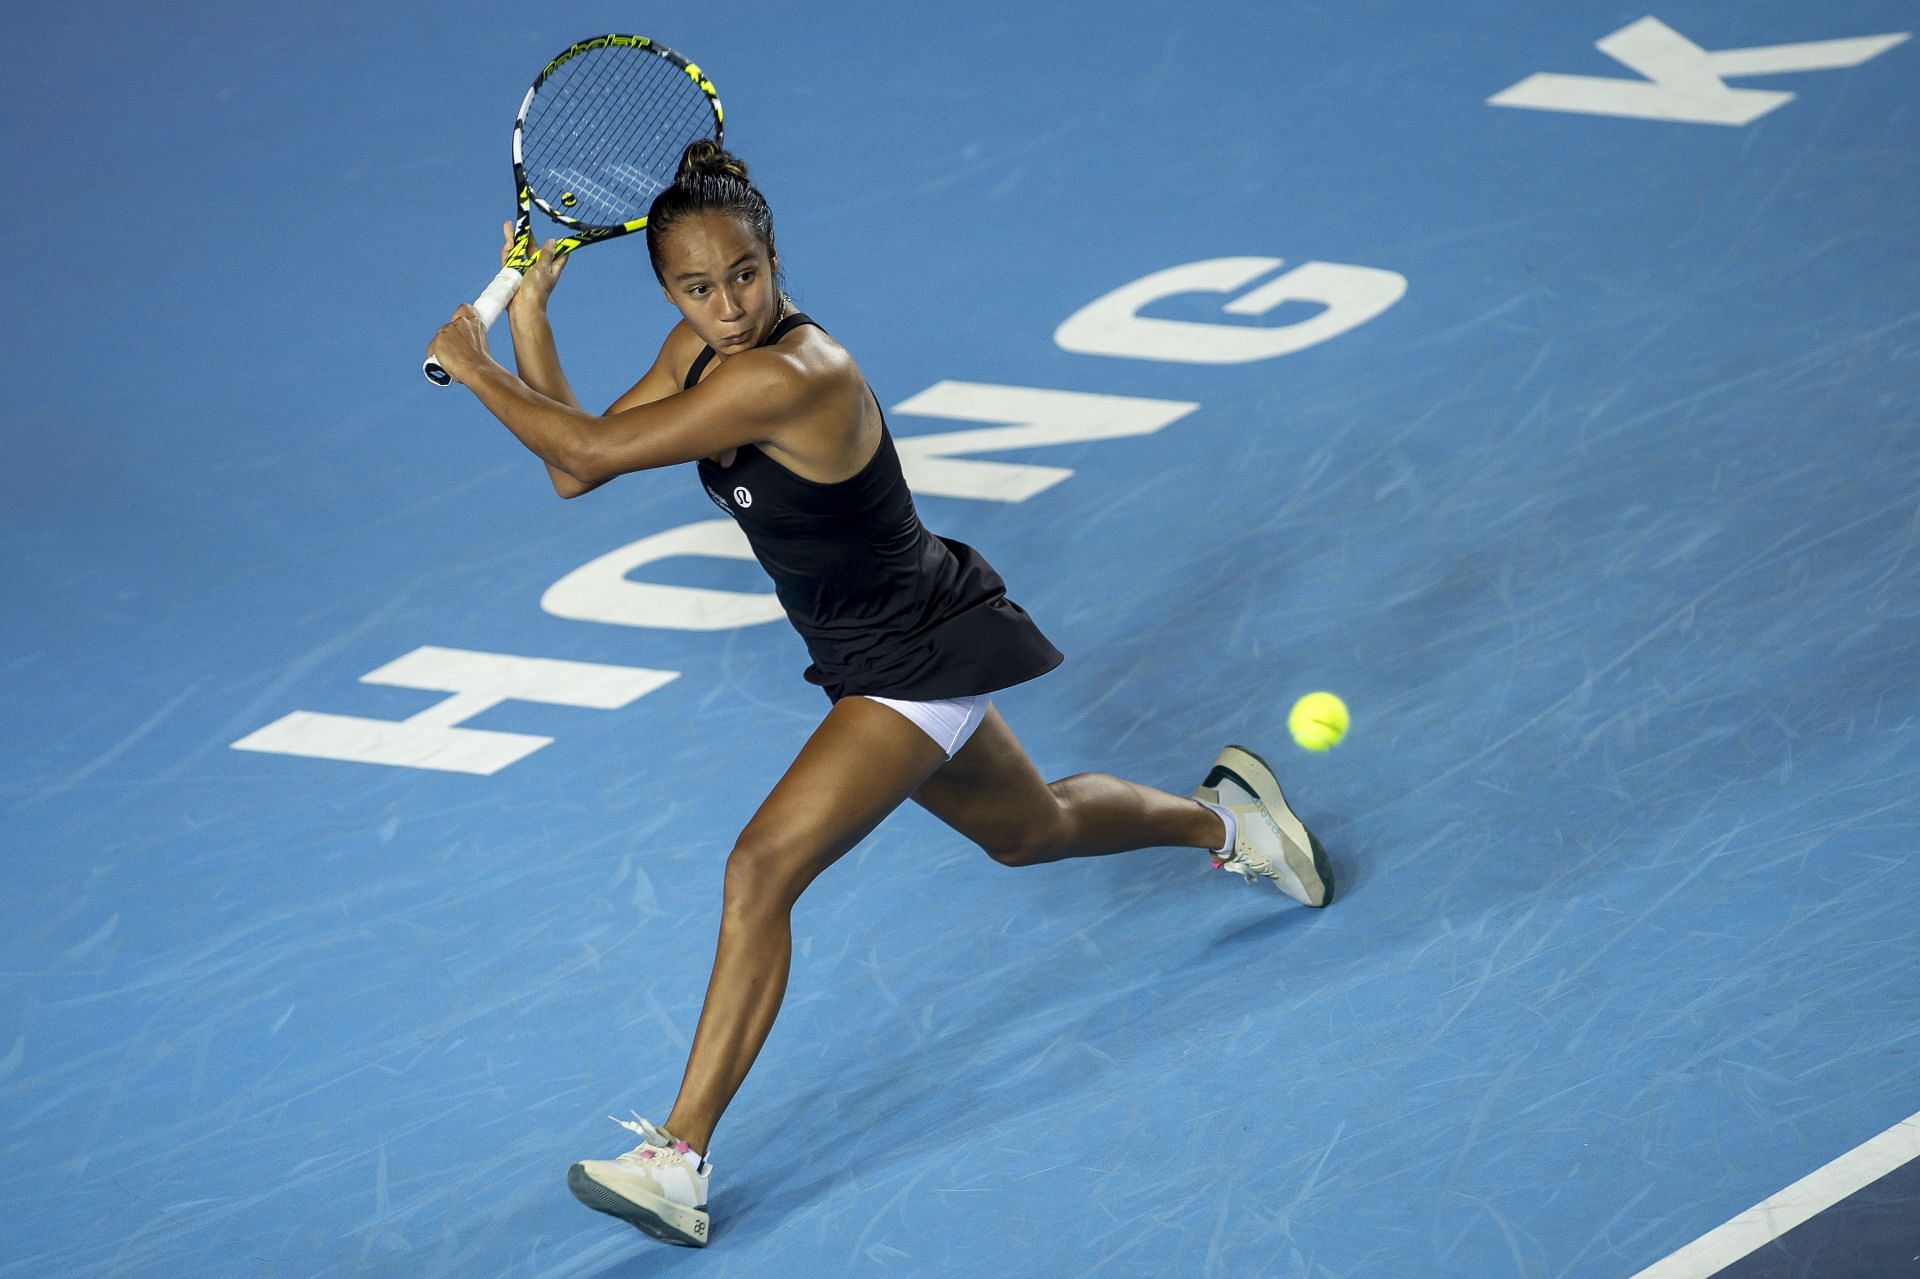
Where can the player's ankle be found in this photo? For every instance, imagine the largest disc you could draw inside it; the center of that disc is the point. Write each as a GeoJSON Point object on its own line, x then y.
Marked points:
{"type": "Point", "coordinates": [698, 1148]}
{"type": "Point", "coordinates": [1217, 834]}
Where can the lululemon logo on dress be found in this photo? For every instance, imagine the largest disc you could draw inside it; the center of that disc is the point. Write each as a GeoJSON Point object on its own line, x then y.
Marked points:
{"type": "Point", "coordinates": [744, 498]}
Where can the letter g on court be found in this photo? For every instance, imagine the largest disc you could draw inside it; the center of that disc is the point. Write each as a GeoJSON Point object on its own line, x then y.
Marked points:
{"type": "Point", "coordinates": [1112, 325]}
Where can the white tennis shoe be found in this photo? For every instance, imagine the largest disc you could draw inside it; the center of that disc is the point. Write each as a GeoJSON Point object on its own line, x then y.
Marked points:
{"type": "Point", "coordinates": [659, 1186]}
{"type": "Point", "coordinates": [1271, 840]}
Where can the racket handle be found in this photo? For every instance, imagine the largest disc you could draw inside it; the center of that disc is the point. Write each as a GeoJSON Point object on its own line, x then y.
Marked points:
{"type": "Point", "coordinates": [489, 304]}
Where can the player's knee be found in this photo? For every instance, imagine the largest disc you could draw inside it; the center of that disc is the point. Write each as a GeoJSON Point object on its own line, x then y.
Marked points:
{"type": "Point", "coordinates": [1038, 839]}
{"type": "Point", "coordinates": [762, 875]}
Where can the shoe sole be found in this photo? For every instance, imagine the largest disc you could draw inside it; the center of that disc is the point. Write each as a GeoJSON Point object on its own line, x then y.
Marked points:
{"type": "Point", "coordinates": [661, 1218]}
{"type": "Point", "coordinates": [1257, 779]}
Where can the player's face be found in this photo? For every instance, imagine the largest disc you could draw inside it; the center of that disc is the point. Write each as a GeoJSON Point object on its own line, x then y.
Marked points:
{"type": "Point", "coordinates": [719, 275]}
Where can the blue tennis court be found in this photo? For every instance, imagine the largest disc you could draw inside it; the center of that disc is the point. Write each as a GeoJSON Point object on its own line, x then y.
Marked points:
{"type": "Point", "coordinates": [366, 807]}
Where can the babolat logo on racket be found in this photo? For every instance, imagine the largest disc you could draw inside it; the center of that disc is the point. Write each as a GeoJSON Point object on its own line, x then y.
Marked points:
{"type": "Point", "coordinates": [614, 41]}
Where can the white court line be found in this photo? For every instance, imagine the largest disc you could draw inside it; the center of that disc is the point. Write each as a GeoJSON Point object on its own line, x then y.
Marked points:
{"type": "Point", "coordinates": [1774, 1216]}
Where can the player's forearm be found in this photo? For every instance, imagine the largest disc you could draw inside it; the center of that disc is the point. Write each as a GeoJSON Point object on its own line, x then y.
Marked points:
{"type": "Point", "coordinates": [558, 434]}
{"type": "Point", "coordinates": [538, 361]}
{"type": "Point", "coordinates": [536, 357]}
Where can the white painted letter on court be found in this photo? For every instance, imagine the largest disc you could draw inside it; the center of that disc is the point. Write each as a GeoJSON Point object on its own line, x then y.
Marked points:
{"type": "Point", "coordinates": [477, 681]}
{"type": "Point", "coordinates": [600, 591]}
{"type": "Point", "coordinates": [1684, 82]}
{"type": "Point", "coordinates": [1113, 325]}
{"type": "Point", "coordinates": [1028, 418]}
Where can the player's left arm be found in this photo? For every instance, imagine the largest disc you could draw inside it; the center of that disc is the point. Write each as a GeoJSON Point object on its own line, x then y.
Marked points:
{"type": "Point", "coordinates": [752, 398]}
{"type": "Point", "coordinates": [748, 400]}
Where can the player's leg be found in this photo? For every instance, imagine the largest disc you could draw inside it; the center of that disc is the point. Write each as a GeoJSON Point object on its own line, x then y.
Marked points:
{"type": "Point", "coordinates": [860, 764]}
{"type": "Point", "coordinates": [991, 793]}
{"type": "Point", "coordinates": [857, 767]}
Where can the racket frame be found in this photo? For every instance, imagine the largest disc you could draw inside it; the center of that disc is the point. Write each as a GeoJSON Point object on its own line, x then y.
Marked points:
{"type": "Point", "coordinates": [524, 252]}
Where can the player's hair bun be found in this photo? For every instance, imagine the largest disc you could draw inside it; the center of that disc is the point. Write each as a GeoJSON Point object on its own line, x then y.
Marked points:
{"type": "Point", "coordinates": [708, 157]}
{"type": "Point", "coordinates": [710, 178]}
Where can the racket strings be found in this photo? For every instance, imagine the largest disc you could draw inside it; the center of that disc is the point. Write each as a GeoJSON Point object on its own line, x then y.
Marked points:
{"type": "Point", "coordinates": [600, 90]}
{"type": "Point", "coordinates": [616, 177]}
{"type": "Point", "coordinates": [566, 132]}
{"type": "Point", "coordinates": [640, 172]}
{"type": "Point", "coordinates": [608, 130]}
{"type": "Point", "coordinates": [671, 112]}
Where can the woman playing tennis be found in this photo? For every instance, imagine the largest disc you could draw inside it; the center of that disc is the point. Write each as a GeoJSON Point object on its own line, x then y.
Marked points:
{"type": "Point", "coordinates": [908, 633]}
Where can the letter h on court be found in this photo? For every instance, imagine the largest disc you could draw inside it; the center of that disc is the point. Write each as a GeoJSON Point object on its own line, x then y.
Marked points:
{"type": "Point", "coordinates": [477, 681]}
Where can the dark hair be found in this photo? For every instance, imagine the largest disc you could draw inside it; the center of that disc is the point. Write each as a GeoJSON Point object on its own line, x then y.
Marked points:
{"type": "Point", "coordinates": [709, 178]}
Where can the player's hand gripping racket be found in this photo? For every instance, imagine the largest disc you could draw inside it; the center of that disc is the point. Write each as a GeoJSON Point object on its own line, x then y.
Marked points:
{"type": "Point", "coordinates": [599, 134]}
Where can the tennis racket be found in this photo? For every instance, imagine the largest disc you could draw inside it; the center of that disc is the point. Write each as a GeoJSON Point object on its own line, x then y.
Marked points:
{"type": "Point", "coordinates": [599, 134]}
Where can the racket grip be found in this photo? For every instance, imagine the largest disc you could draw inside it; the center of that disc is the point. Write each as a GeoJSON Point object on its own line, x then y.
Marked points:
{"type": "Point", "coordinates": [489, 304]}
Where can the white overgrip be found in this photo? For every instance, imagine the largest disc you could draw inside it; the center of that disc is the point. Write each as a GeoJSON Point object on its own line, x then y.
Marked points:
{"type": "Point", "coordinates": [491, 303]}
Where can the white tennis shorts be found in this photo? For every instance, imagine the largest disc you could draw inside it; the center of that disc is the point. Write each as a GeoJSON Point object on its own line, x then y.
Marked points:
{"type": "Point", "coordinates": [949, 721]}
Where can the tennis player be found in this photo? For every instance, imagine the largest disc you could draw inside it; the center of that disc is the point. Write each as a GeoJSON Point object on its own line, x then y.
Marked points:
{"type": "Point", "coordinates": [909, 634]}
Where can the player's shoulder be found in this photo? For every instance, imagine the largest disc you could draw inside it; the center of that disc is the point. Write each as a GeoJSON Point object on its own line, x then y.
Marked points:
{"type": "Point", "coordinates": [812, 354]}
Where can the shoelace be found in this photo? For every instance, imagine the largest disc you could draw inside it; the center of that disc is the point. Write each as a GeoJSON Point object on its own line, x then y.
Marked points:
{"type": "Point", "coordinates": [1238, 865]}
{"type": "Point", "coordinates": [656, 1148]}
{"type": "Point", "coordinates": [1233, 859]}
{"type": "Point", "coordinates": [1248, 868]}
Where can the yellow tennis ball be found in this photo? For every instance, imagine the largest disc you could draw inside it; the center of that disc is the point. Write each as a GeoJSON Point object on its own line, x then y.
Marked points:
{"type": "Point", "coordinates": [1318, 721]}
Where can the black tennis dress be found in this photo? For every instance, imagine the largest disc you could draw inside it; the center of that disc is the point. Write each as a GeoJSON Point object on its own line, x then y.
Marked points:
{"type": "Point", "coordinates": [885, 607]}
